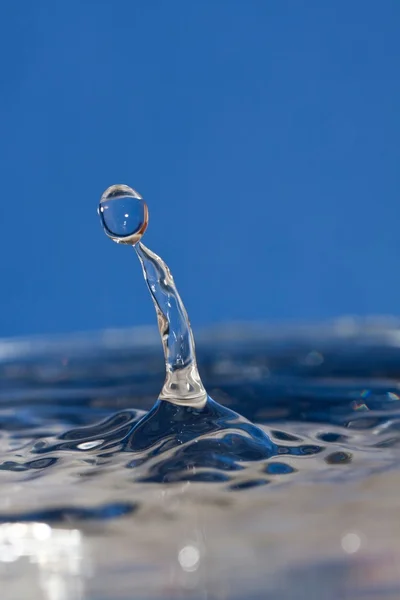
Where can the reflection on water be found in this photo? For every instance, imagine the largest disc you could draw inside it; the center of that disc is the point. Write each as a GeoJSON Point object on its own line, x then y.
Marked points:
{"type": "Point", "coordinates": [101, 499]}
{"type": "Point", "coordinates": [52, 558]}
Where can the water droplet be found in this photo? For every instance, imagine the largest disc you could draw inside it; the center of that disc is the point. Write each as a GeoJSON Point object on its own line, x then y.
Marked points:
{"type": "Point", "coordinates": [124, 214]}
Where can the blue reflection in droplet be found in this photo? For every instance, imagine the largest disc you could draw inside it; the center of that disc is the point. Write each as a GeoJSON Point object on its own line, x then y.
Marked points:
{"type": "Point", "coordinates": [122, 216]}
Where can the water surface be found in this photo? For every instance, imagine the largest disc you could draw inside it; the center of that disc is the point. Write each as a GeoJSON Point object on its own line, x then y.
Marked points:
{"type": "Point", "coordinates": [90, 509]}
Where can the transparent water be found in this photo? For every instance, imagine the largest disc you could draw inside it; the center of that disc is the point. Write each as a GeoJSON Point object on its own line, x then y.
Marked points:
{"type": "Point", "coordinates": [91, 507]}
{"type": "Point", "coordinates": [114, 489]}
{"type": "Point", "coordinates": [123, 213]}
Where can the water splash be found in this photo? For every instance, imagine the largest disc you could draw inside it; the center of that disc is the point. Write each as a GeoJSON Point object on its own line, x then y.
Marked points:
{"type": "Point", "coordinates": [182, 383]}
{"type": "Point", "coordinates": [198, 415]}
{"type": "Point", "coordinates": [64, 477]}
{"type": "Point", "coordinates": [81, 422]}
{"type": "Point", "coordinates": [124, 216]}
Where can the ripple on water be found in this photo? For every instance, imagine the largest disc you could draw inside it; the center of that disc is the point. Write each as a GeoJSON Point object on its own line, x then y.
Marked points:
{"type": "Point", "coordinates": [148, 474]}
{"type": "Point", "coordinates": [172, 445]}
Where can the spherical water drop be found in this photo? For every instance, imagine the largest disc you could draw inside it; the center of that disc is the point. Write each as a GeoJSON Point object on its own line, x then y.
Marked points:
{"type": "Point", "coordinates": [124, 214]}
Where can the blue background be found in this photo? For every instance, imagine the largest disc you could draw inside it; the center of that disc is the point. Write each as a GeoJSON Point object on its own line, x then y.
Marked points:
{"type": "Point", "coordinates": [263, 134]}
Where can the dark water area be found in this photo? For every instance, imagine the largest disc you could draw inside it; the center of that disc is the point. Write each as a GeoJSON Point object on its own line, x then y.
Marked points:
{"type": "Point", "coordinates": [285, 485]}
